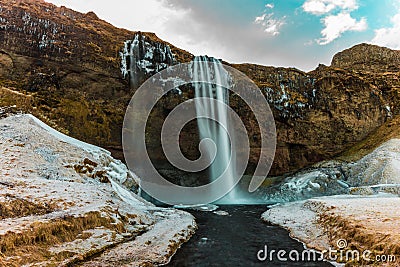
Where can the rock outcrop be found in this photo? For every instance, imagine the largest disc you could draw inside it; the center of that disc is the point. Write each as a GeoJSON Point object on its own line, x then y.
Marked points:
{"type": "Point", "coordinates": [70, 63]}
{"type": "Point", "coordinates": [370, 58]}
{"type": "Point", "coordinates": [318, 114]}
{"type": "Point", "coordinates": [78, 74]}
{"type": "Point", "coordinates": [142, 57]}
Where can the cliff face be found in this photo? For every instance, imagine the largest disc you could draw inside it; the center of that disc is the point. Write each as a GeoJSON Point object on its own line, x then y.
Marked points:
{"type": "Point", "coordinates": [78, 73]}
{"type": "Point", "coordinates": [70, 63]}
{"type": "Point", "coordinates": [143, 57]}
{"type": "Point", "coordinates": [322, 113]}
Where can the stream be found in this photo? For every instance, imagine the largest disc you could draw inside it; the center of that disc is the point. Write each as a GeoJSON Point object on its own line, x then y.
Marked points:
{"type": "Point", "coordinates": [235, 240]}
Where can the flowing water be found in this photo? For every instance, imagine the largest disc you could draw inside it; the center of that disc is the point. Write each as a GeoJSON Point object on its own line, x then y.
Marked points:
{"type": "Point", "coordinates": [235, 239]}
{"type": "Point", "coordinates": [235, 235]}
{"type": "Point", "coordinates": [213, 121]}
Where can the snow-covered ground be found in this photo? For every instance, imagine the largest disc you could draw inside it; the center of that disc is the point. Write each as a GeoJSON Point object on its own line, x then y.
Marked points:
{"type": "Point", "coordinates": [365, 217]}
{"type": "Point", "coordinates": [380, 167]}
{"type": "Point", "coordinates": [377, 172]}
{"type": "Point", "coordinates": [350, 223]}
{"type": "Point", "coordinates": [63, 201]}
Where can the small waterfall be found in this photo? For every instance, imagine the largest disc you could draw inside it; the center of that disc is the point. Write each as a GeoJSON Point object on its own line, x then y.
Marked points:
{"type": "Point", "coordinates": [211, 70]}
{"type": "Point", "coordinates": [142, 57]}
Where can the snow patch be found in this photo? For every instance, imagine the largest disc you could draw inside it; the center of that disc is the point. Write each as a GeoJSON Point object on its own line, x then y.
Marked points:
{"type": "Point", "coordinates": [382, 166]}
{"type": "Point", "coordinates": [117, 172]}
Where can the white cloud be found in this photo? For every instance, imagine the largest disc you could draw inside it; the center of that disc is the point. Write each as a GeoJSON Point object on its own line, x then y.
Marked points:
{"type": "Point", "coordinates": [321, 7]}
{"type": "Point", "coordinates": [317, 7]}
{"type": "Point", "coordinates": [269, 5]}
{"type": "Point", "coordinates": [260, 19]}
{"type": "Point", "coordinates": [389, 36]}
{"type": "Point", "coordinates": [149, 15]}
{"type": "Point", "coordinates": [270, 24]}
{"type": "Point", "coordinates": [337, 18]}
{"type": "Point", "coordinates": [336, 25]}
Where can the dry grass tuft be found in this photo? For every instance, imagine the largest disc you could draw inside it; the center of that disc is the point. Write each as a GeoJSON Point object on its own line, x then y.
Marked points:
{"type": "Point", "coordinates": [35, 242]}
{"type": "Point", "coordinates": [17, 207]}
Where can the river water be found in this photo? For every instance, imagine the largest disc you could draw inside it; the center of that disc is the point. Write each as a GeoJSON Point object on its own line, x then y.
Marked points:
{"type": "Point", "coordinates": [235, 240]}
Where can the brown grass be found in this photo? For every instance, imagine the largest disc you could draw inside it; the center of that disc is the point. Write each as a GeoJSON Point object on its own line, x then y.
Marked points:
{"type": "Point", "coordinates": [389, 130]}
{"type": "Point", "coordinates": [15, 208]}
{"type": "Point", "coordinates": [33, 245]}
{"type": "Point", "coordinates": [359, 238]}
{"type": "Point", "coordinates": [10, 97]}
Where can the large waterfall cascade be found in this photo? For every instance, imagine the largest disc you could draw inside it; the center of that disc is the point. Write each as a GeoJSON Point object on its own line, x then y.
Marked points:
{"type": "Point", "coordinates": [211, 70]}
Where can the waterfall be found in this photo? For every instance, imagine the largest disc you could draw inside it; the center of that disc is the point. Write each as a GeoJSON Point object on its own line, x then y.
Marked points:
{"type": "Point", "coordinates": [142, 57]}
{"type": "Point", "coordinates": [212, 71]}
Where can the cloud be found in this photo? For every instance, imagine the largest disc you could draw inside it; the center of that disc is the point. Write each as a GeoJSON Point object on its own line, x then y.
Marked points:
{"type": "Point", "coordinates": [149, 15]}
{"type": "Point", "coordinates": [336, 25]}
{"type": "Point", "coordinates": [269, 5]}
{"type": "Point", "coordinates": [321, 7]}
{"type": "Point", "coordinates": [208, 28]}
{"type": "Point", "coordinates": [337, 18]}
{"type": "Point", "coordinates": [211, 30]}
{"type": "Point", "coordinates": [271, 25]}
{"type": "Point", "coordinates": [389, 36]}
{"type": "Point", "coordinates": [268, 21]}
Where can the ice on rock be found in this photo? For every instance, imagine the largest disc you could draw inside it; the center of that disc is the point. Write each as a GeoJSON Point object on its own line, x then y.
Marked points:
{"type": "Point", "coordinates": [199, 207]}
{"type": "Point", "coordinates": [375, 173]}
{"type": "Point", "coordinates": [283, 101]}
{"type": "Point", "coordinates": [221, 213]}
{"type": "Point", "coordinates": [303, 185]}
{"type": "Point", "coordinates": [142, 57]}
{"type": "Point", "coordinates": [389, 111]}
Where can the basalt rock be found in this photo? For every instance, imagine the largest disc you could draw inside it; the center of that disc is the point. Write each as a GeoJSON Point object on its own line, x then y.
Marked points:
{"type": "Point", "coordinates": [78, 73]}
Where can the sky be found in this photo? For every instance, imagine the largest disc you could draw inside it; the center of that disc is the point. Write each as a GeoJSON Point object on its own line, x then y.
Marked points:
{"type": "Point", "coordinates": [287, 33]}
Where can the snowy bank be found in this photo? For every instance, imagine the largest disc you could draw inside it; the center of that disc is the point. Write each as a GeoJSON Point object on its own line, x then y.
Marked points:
{"type": "Point", "coordinates": [350, 223]}
{"type": "Point", "coordinates": [62, 201]}
{"type": "Point", "coordinates": [364, 216]}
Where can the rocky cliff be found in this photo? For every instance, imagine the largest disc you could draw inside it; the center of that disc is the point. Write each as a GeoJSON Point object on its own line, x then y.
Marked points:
{"type": "Point", "coordinates": [78, 73]}
{"type": "Point", "coordinates": [70, 65]}
{"type": "Point", "coordinates": [369, 58]}
{"type": "Point", "coordinates": [324, 112]}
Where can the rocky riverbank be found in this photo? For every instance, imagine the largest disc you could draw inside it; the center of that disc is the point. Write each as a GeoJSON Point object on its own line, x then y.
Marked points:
{"type": "Point", "coordinates": [363, 218]}
{"type": "Point", "coordinates": [66, 202]}
{"type": "Point", "coordinates": [369, 225]}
